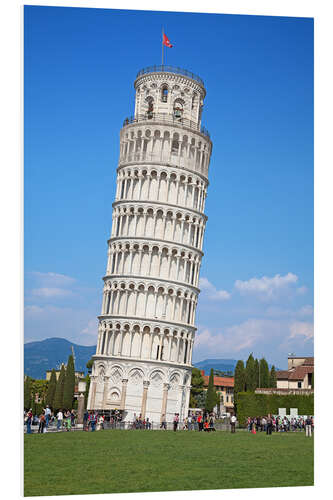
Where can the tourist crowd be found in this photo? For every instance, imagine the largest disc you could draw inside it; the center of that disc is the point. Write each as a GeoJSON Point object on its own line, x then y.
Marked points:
{"type": "Point", "coordinates": [201, 421]}
{"type": "Point", "coordinates": [63, 419]}
{"type": "Point", "coordinates": [277, 423]}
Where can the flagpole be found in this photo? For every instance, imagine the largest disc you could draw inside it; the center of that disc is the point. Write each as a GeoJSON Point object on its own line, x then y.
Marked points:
{"type": "Point", "coordinates": [162, 44]}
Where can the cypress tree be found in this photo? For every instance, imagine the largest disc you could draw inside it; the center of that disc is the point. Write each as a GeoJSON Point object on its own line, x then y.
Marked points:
{"type": "Point", "coordinates": [272, 378]}
{"type": "Point", "coordinates": [59, 392]}
{"type": "Point", "coordinates": [197, 383]}
{"type": "Point", "coordinates": [27, 393]}
{"type": "Point", "coordinates": [239, 381]}
{"type": "Point", "coordinates": [211, 397]}
{"type": "Point", "coordinates": [250, 378]}
{"type": "Point", "coordinates": [69, 384]}
{"type": "Point", "coordinates": [257, 373]}
{"type": "Point", "coordinates": [51, 389]}
{"type": "Point", "coordinates": [264, 373]}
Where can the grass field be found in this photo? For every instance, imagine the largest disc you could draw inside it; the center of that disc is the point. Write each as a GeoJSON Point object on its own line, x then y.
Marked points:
{"type": "Point", "coordinates": [115, 461]}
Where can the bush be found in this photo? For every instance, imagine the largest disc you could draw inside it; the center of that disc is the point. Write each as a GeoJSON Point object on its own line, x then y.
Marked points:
{"type": "Point", "coordinates": [258, 405]}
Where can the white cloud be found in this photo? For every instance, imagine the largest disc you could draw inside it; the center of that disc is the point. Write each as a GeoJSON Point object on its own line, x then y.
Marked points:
{"type": "Point", "coordinates": [74, 324]}
{"type": "Point", "coordinates": [33, 310]}
{"type": "Point", "coordinates": [234, 338]}
{"type": "Point", "coordinates": [211, 292]}
{"type": "Point", "coordinates": [52, 279]}
{"type": "Point", "coordinates": [306, 311]}
{"type": "Point", "coordinates": [91, 328]}
{"type": "Point", "coordinates": [266, 286]}
{"type": "Point", "coordinates": [50, 292]}
{"type": "Point", "coordinates": [301, 329]}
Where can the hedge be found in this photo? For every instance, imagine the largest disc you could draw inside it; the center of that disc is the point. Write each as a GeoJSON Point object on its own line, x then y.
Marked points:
{"type": "Point", "coordinates": [250, 404]}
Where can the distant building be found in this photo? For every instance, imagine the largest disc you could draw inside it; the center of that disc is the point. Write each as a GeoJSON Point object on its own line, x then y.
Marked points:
{"type": "Point", "coordinates": [225, 387]}
{"type": "Point", "coordinates": [299, 375]}
{"type": "Point", "coordinates": [298, 379]}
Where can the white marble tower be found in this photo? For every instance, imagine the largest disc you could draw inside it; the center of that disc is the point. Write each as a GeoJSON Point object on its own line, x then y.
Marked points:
{"type": "Point", "coordinates": [147, 325]}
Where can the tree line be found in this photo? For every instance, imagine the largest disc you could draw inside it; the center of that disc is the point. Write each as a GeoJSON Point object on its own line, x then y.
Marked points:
{"type": "Point", "coordinates": [247, 378]}
{"type": "Point", "coordinates": [254, 374]}
{"type": "Point", "coordinates": [54, 393]}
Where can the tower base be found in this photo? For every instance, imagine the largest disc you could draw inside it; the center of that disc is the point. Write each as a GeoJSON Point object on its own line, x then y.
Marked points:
{"type": "Point", "coordinates": [156, 390]}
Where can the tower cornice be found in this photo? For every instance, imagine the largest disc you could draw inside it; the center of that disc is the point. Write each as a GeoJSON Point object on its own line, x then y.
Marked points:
{"type": "Point", "coordinates": [155, 240]}
{"type": "Point", "coordinates": [160, 206]}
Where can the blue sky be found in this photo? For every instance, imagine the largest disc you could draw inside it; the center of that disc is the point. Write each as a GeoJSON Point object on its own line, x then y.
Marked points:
{"type": "Point", "coordinates": [257, 272]}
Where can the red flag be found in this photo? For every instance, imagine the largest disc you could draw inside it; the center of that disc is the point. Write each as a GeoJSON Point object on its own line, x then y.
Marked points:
{"type": "Point", "coordinates": [166, 41]}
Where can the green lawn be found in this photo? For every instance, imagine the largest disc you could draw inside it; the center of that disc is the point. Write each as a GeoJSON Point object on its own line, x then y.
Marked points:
{"type": "Point", "coordinates": [118, 461]}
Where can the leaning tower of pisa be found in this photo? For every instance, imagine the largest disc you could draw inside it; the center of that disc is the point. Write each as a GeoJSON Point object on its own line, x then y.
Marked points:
{"type": "Point", "coordinates": [147, 328]}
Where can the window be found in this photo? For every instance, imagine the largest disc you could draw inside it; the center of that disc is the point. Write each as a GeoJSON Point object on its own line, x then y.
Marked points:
{"type": "Point", "coordinates": [165, 93]}
{"type": "Point", "coordinates": [299, 385]}
{"type": "Point", "coordinates": [178, 109]}
{"type": "Point", "coordinates": [150, 110]}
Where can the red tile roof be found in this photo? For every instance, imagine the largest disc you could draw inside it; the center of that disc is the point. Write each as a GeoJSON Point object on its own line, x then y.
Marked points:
{"type": "Point", "coordinates": [297, 373]}
{"type": "Point", "coordinates": [282, 374]}
{"type": "Point", "coordinates": [300, 372]}
{"type": "Point", "coordinates": [219, 381]}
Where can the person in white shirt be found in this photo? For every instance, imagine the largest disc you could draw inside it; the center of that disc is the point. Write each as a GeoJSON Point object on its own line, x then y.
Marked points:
{"type": "Point", "coordinates": [47, 415]}
{"type": "Point", "coordinates": [60, 418]}
{"type": "Point", "coordinates": [233, 423]}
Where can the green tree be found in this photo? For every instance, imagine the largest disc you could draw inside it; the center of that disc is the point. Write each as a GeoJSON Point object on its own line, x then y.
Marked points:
{"type": "Point", "coordinates": [89, 364]}
{"type": "Point", "coordinates": [59, 393]}
{"type": "Point", "coordinates": [272, 377]}
{"type": "Point", "coordinates": [69, 385]}
{"type": "Point", "coordinates": [197, 383]}
{"type": "Point", "coordinates": [257, 373]}
{"type": "Point", "coordinates": [211, 396]}
{"type": "Point", "coordinates": [201, 400]}
{"type": "Point", "coordinates": [27, 393]}
{"type": "Point", "coordinates": [239, 381]}
{"type": "Point", "coordinates": [49, 398]}
{"type": "Point", "coordinates": [264, 373]}
{"type": "Point", "coordinates": [39, 387]}
{"type": "Point", "coordinates": [250, 374]}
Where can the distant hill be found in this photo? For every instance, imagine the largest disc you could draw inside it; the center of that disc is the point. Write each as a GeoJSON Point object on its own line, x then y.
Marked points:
{"type": "Point", "coordinates": [225, 365]}
{"type": "Point", "coordinates": [50, 353]}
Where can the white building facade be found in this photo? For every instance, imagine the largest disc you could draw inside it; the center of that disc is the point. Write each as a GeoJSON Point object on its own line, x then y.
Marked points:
{"type": "Point", "coordinates": [146, 329]}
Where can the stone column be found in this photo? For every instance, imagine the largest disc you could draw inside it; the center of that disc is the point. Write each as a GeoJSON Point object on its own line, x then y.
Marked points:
{"type": "Point", "coordinates": [92, 393]}
{"type": "Point", "coordinates": [80, 409]}
{"type": "Point", "coordinates": [105, 391]}
{"type": "Point", "coordinates": [123, 394]}
{"type": "Point", "coordinates": [144, 398]}
{"type": "Point", "coordinates": [166, 387]}
{"type": "Point", "coordinates": [170, 336]}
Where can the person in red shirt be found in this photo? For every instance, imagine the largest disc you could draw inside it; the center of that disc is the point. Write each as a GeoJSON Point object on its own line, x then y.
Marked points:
{"type": "Point", "coordinates": [200, 422]}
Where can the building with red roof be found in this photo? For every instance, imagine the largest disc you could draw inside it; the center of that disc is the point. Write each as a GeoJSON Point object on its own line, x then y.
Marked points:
{"type": "Point", "coordinates": [300, 374]}
{"type": "Point", "coordinates": [225, 387]}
